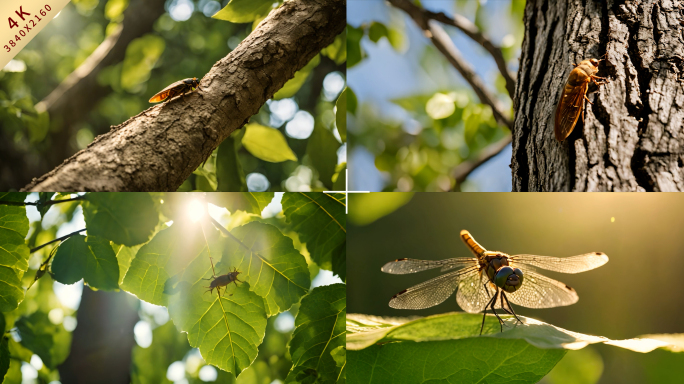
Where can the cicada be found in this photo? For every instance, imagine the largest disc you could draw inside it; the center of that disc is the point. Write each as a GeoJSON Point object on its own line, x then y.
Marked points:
{"type": "Point", "coordinates": [178, 88]}
{"type": "Point", "coordinates": [571, 104]}
{"type": "Point", "coordinates": [221, 281]}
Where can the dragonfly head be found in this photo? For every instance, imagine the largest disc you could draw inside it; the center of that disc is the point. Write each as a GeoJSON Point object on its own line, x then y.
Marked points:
{"type": "Point", "coordinates": [495, 263]}
{"type": "Point", "coordinates": [509, 279]}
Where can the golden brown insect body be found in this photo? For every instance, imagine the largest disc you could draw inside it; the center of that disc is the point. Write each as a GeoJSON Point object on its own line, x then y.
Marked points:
{"type": "Point", "coordinates": [176, 89]}
{"type": "Point", "coordinates": [571, 104]}
{"type": "Point", "coordinates": [221, 281]}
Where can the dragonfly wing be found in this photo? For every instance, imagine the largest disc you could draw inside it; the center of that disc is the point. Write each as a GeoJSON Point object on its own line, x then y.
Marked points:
{"type": "Point", "coordinates": [573, 264]}
{"type": "Point", "coordinates": [474, 292]}
{"type": "Point", "coordinates": [404, 266]}
{"type": "Point", "coordinates": [431, 292]}
{"type": "Point", "coordinates": [539, 291]}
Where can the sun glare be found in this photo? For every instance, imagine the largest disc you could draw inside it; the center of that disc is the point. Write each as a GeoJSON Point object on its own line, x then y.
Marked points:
{"type": "Point", "coordinates": [196, 210]}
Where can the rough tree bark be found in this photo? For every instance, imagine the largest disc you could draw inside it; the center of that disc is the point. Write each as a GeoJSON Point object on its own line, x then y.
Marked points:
{"type": "Point", "coordinates": [74, 98]}
{"type": "Point", "coordinates": [632, 137]}
{"type": "Point", "coordinates": [159, 148]}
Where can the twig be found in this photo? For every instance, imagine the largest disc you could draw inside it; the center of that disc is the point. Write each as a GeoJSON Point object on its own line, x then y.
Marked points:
{"type": "Point", "coordinates": [443, 42]}
{"type": "Point", "coordinates": [37, 203]}
{"type": "Point", "coordinates": [56, 240]}
{"type": "Point", "coordinates": [461, 172]}
{"type": "Point", "coordinates": [469, 29]}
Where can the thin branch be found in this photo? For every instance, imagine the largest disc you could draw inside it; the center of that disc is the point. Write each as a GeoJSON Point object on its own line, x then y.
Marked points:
{"type": "Point", "coordinates": [37, 203]}
{"type": "Point", "coordinates": [56, 240]}
{"type": "Point", "coordinates": [474, 33]}
{"type": "Point", "coordinates": [461, 172]}
{"type": "Point", "coordinates": [160, 147]}
{"type": "Point", "coordinates": [443, 42]}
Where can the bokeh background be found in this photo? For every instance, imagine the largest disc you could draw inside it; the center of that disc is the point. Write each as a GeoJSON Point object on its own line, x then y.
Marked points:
{"type": "Point", "coordinates": [183, 42]}
{"type": "Point", "coordinates": [637, 292]}
{"type": "Point", "coordinates": [396, 143]}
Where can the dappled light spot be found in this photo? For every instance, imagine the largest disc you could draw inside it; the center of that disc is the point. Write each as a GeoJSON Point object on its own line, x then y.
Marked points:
{"type": "Point", "coordinates": [301, 126]}
{"type": "Point", "coordinates": [256, 182]}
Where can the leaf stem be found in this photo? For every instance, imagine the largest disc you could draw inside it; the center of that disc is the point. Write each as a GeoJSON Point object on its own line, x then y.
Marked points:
{"type": "Point", "coordinates": [56, 240]}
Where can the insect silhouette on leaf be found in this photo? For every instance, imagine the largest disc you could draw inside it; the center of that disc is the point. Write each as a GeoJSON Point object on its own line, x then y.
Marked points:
{"type": "Point", "coordinates": [178, 88]}
{"type": "Point", "coordinates": [571, 103]}
{"type": "Point", "coordinates": [223, 280]}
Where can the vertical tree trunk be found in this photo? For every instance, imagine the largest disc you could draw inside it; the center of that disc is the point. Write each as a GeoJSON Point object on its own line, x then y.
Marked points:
{"type": "Point", "coordinates": [632, 136]}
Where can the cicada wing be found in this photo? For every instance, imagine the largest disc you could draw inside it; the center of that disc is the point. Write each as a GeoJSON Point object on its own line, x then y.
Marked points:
{"type": "Point", "coordinates": [431, 292]}
{"type": "Point", "coordinates": [568, 110]}
{"type": "Point", "coordinates": [474, 292]}
{"type": "Point", "coordinates": [161, 96]}
{"type": "Point", "coordinates": [572, 264]}
{"type": "Point", "coordinates": [539, 291]}
{"type": "Point", "coordinates": [404, 266]}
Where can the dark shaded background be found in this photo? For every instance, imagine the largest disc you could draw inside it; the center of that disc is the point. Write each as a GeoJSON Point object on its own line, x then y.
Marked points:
{"type": "Point", "coordinates": [636, 293]}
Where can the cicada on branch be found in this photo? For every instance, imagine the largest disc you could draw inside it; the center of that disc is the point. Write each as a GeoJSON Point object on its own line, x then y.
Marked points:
{"type": "Point", "coordinates": [571, 104]}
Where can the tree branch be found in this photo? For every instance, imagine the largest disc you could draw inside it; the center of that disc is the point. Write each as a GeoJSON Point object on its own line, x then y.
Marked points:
{"type": "Point", "coordinates": [80, 92]}
{"type": "Point", "coordinates": [160, 147]}
{"type": "Point", "coordinates": [443, 42]}
{"type": "Point", "coordinates": [461, 172]}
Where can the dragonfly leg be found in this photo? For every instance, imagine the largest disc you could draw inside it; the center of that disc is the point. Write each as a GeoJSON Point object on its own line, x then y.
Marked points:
{"type": "Point", "coordinates": [484, 315]}
{"type": "Point", "coordinates": [509, 306]}
{"type": "Point", "coordinates": [501, 322]}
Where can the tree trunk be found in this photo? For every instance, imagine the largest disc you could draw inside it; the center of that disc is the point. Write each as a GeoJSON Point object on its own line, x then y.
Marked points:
{"type": "Point", "coordinates": [632, 135]}
{"type": "Point", "coordinates": [102, 341]}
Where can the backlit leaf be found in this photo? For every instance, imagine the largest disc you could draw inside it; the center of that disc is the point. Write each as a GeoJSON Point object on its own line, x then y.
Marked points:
{"type": "Point", "coordinates": [267, 144]}
{"type": "Point", "coordinates": [341, 115]}
{"type": "Point", "coordinates": [14, 253]}
{"type": "Point", "coordinates": [321, 222]}
{"type": "Point", "coordinates": [274, 269]}
{"type": "Point", "coordinates": [319, 330]}
{"type": "Point", "coordinates": [294, 84]}
{"type": "Point", "coordinates": [124, 218]}
{"type": "Point", "coordinates": [49, 341]}
{"type": "Point", "coordinates": [251, 202]}
{"type": "Point", "coordinates": [244, 11]}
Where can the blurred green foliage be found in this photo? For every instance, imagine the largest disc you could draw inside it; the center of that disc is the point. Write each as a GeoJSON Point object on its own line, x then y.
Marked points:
{"type": "Point", "coordinates": [175, 50]}
{"type": "Point", "coordinates": [444, 123]}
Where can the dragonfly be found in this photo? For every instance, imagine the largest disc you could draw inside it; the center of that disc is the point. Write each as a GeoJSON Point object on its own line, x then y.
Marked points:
{"type": "Point", "coordinates": [492, 279]}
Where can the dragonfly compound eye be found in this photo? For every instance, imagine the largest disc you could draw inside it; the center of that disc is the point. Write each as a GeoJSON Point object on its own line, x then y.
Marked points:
{"type": "Point", "coordinates": [509, 279]}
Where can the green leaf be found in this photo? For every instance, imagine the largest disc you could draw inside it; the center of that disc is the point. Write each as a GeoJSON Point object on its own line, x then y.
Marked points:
{"type": "Point", "coordinates": [229, 172]}
{"type": "Point", "coordinates": [355, 52]}
{"type": "Point", "coordinates": [322, 149]}
{"type": "Point", "coordinates": [251, 202]}
{"type": "Point", "coordinates": [372, 206]}
{"type": "Point", "coordinates": [124, 256]}
{"type": "Point", "coordinates": [14, 253]}
{"type": "Point", "coordinates": [167, 255]}
{"type": "Point", "coordinates": [228, 330]}
{"type": "Point", "coordinates": [269, 262]}
{"type": "Point", "coordinates": [483, 360]}
{"type": "Point", "coordinates": [319, 329]}
{"type": "Point", "coordinates": [352, 101]}
{"type": "Point", "coordinates": [294, 84]}
{"type": "Point", "coordinates": [124, 218]}
{"type": "Point", "coordinates": [340, 177]}
{"type": "Point", "coordinates": [337, 51]}
{"type": "Point", "coordinates": [13, 376]}
{"type": "Point", "coordinates": [440, 106]}
{"type": "Point", "coordinates": [44, 197]}
{"type": "Point", "coordinates": [377, 31]}
{"type": "Point", "coordinates": [321, 222]}
{"type": "Point", "coordinates": [341, 115]}
{"type": "Point", "coordinates": [339, 354]}
{"type": "Point", "coordinates": [267, 144]}
{"type": "Point", "coordinates": [90, 258]}
{"type": "Point", "coordinates": [49, 341]}
{"type": "Point", "coordinates": [149, 365]}
{"type": "Point", "coordinates": [365, 331]}
{"type": "Point", "coordinates": [244, 11]}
